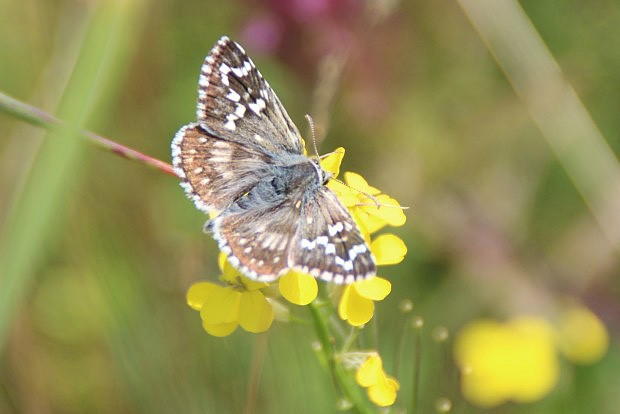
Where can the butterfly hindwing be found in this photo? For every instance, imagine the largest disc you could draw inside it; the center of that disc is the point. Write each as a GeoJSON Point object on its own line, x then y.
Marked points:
{"type": "Point", "coordinates": [328, 244]}
{"type": "Point", "coordinates": [258, 241]}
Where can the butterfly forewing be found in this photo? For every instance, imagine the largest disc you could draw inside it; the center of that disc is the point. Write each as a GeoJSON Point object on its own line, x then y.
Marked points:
{"type": "Point", "coordinates": [236, 102]}
{"type": "Point", "coordinates": [216, 172]}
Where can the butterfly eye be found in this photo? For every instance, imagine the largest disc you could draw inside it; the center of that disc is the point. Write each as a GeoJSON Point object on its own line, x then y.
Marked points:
{"type": "Point", "coordinates": [326, 176]}
{"type": "Point", "coordinates": [323, 175]}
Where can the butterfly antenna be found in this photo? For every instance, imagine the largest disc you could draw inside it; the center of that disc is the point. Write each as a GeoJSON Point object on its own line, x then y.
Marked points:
{"type": "Point", "coordinates": [311, 123]}
{"type": "Point", "coordinates": [370, 196]}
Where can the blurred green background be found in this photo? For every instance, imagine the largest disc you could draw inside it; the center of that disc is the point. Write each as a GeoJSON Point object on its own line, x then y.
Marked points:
{"type": "Point", "coordinates": [105, 249]}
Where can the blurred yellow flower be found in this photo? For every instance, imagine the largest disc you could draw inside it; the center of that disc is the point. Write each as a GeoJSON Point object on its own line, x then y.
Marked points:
{"type": "Point", "coordinates": [381, 388]}
{"type": "Point", "coordinates": [582, 337]}
{"type": "Point", "coordinates": [223, 308]}
{"type": "Point", "coordinates": [514, 361]}
{"type": "Point", "coordinates": [356, 303]}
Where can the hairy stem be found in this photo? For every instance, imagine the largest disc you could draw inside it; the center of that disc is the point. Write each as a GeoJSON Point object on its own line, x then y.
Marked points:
{"type": "Point", "coordinates": [40, 118]}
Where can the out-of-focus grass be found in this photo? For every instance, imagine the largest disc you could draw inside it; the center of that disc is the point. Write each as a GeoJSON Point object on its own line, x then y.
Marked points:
{"type": "Point", "coordinates": [38, 209]}
{"type": "Point", "coordinates": [101, 323]}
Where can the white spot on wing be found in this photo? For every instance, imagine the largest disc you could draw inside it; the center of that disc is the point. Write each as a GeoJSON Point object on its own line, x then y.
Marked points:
{"type": "Point", "coordinates": [240, 72]}
{"type": "Point", "coordinates": [334, 229]}
{"type": "Point", "coordinates": [230, 125]}
{"type": "Point", "coordinates": [330, 249]}
{"type": "Point", "coordinates": [345, 264]}
{"type": "Point", "coordinates": [240, 110]}
{"type": "Point", "coordinates": [233, 96]}
{"type": "Point", "coordinates": [322, 241]}
{"type": "Point", "coordinates": [224, 68]}
{"type": "Point", "coordinates": [258, 106]}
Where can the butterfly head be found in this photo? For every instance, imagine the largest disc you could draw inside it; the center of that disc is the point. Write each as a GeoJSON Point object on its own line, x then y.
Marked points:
{"type": "Point", "coordinates": [323, 176]}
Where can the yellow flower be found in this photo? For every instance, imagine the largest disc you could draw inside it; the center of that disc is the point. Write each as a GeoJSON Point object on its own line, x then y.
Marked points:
{"type": "Point", "coordinates": [370, 214]}
{"type": "Point", "coordinates": [381, 388]}
{"type": "Point", "coordinates": [242, 301]}
{"type": "Point", "coordinates": [223, 308]}
{"type": "Point", "coordinates": [507, 361]}
{"type": "Point", "coordinates": [356, 304]}
{"type": "Point", "coordinates": [582, 337]}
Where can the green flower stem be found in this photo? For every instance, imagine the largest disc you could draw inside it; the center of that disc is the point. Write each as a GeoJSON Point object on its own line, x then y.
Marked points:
{"type": "Point", "coordinates": [415, 387]}
{"type": "Point", "coordinates": [341, 377]}
{"type": "Point", "coordinates": [353, 335]}
{"type": "Point", "coordinates": [400, 344]}
{"type": "Point", "coordinates": [40, 118]}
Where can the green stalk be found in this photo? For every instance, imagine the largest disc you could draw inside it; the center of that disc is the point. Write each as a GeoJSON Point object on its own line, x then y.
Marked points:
{"type": "Point", "coordinates": [342, 379]}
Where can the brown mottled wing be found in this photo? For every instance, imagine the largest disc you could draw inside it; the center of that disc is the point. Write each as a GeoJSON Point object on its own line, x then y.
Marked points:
{"type": "Point", "coordinates": [257, 241]}
{"type": "Point", "coordinates": [215, 172]}
{"type": "Point", "coordinates": [328, 244]}
{"type": "Point", "coordinates": [236, 103]}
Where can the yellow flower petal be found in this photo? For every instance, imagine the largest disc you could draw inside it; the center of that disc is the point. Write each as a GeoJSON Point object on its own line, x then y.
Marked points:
{"type": "Point", "coordinates": [229, 273]}
{"type": "Point", "coordinates": [389, 210]}
{"type": "Point", "coordinates": [582, 337]}
{"type": "Point", "coordinates": [233, 277]}
{"type": "Point", "coordinates": [354, 308]}
{"type": "Point", "coordinates": [384, 392]}
{"type": "Point", "coordinates": [250, 284]}
{"type": "Point", "coordinates": [357, 182]}
{"type": "Point", "coordinates": [331, 163]}
{"type": "Point", "coordinates": [255, 312]}
{"type": "Point", "coordinates": [369, 223]}
{"type": "Point", "coordinates": [370, 371]}
{"type": "Point", "coordinates": [363, 224]}
{"type": "Point", "coordinates": [199, 293]}
{"type": "Point", "coordinates": [222, 307]}
{"type": "Point", "coordinates": [347, 196]}
{"type": "Point", "coordinates": [388, 249]}
{"type": "Point", "coordinates": [374, 217]}
{"type": "Point", "coordinates": [220, 329]}
{"type": "Point", "coordinates": [374, 288]}
{"type": "Point", "coordinates": [298, 288]}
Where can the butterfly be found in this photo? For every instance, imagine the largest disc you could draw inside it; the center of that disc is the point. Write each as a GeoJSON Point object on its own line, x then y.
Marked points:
{"type": "Point", "coordinates": [243, 162]}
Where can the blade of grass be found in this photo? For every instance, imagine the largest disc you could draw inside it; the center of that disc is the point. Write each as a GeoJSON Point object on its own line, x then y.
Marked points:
{"type": "Point", "coordinates": [34, 216]}
{"type": "Point", "coordinates": [554, 106]}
